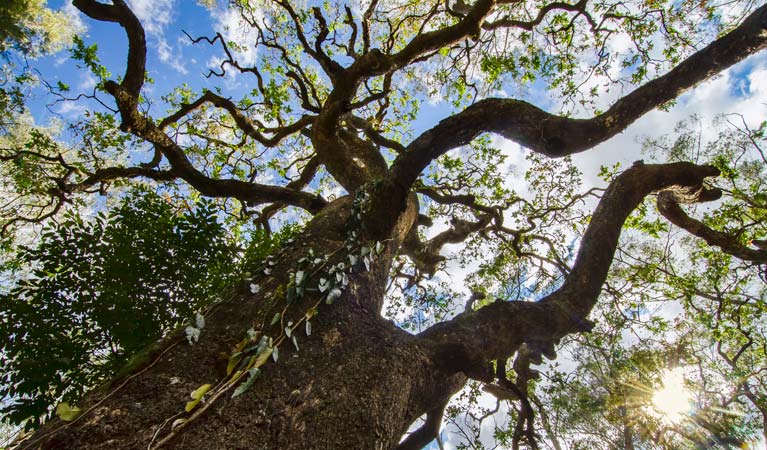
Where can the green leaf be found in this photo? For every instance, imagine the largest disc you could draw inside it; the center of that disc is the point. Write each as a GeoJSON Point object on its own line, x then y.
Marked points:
{"type": "Point", "coordinates": [66, 412]}
{"type": "Point", "coordinates": [196, 396]}
{"type": "Point", "coordinates": [263, 356]}
{"type": "Point", "coordinates": [233, 361]}
{"type": "Point", "coordinates": [244, 386]}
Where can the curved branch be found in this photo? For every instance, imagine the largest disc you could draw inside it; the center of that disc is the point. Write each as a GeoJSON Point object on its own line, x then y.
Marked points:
{"type": "Point", "coordinates": [496, 331]}
{"type": "Point", "coordinates": [468, 200]}
{"type": "Point", "coordinates": [427, 432]}
{"type": "Point", "coordinates": [426, 255]}
{"type": "Point", "coordinates": [557, 136]}
{"type": "Point", "coordinates": [668, 206]}
{"type": "Point", "coordinates": [119, 12]}
{"type": "Point", "coordinates": [243, 122]}
{"type": "Point", "coordinates": [114, 173]}
{"type": "Point", "coordinates": [372, 63]}
{"type": "Point", "coordinates": [331, 68]}
{"type": "Point", "coordinates": [306, 176]}
{"type": "Point", "coordinates": [126, 95]}
{"type": "Point", "coordinates": [434, 40]}
{"type": "Point", "coordinates": [529, 25]}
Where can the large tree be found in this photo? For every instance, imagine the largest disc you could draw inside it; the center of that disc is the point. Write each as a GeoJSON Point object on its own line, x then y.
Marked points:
{"type": "Point", "coordinates": [301, 357]}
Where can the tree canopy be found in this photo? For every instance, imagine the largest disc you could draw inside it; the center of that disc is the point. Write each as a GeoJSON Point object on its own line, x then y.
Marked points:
{"type": "Point", "coordinates": [399, 115]}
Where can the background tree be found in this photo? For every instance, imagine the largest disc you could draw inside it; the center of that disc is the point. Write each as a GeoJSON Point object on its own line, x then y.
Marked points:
{"type": "Point", "coordinates": [301, 357]}
{"type": "Point", "coordinates": [102, 290]}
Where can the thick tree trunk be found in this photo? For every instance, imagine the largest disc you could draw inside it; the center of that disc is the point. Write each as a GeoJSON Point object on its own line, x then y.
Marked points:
{"type": "Point", "coordinates": [357, 381]}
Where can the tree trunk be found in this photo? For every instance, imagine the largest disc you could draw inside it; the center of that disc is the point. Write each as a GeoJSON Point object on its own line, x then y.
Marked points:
{"type": "Point", "coordinates": [357, 381]}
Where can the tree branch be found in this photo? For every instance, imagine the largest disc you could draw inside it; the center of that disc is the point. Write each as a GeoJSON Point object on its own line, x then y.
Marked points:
{"type": "Point", "coordinates": [113, 173]}
{"type": "Point", "coordinates": [426, 255]}
{"type": "Point", "coordinates": [243, 122]}
{"type": "Point", "coordinates": [558, 136]}
{"type": "Point", "coordinates": [668, 206]}
{"type": "Point", "coordinates": [305, 177]}
{"type": "Point", "coordinates": [126, 95]}
{"type": "Point", "coordinates": [496, 331]}
{"type": "Point", "coordinates": [529, 25]}
{"type": "Point", "coordinates": [331, 68]}
{"type": "Point", "coordinates": [119, 12]}
{"type": "Point", "coordinates": [429, 431]}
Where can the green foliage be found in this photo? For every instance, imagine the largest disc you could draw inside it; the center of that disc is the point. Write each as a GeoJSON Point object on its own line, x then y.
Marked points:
{"type": "Point", "coordinates": [30, 27]}
{"type": "Point", "coordinates": [708, 306]}
{"type": "Point", "coordinates": [98, 291]}
{"type": "Point", "coordinates": [262, 244]}
{"type": "Point", "coordinates": [88, 55]}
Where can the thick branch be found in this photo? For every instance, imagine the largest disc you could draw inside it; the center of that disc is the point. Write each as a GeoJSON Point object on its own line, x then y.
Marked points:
{"type": "Point", "coordinates": [668, 205]}
{"type": "Point", "coordinates": [497, 330]}
{"type": "Point", "coordinates": [344, 164]}
{"type": "Point", "coordinates": [119, 12]}
{"type": "Point", "coordinates": [434, 40]}
{"type": "Point", "coordinates": [558, 136]}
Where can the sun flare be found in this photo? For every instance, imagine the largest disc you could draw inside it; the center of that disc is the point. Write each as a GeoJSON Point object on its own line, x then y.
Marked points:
{"type": "Point", "coordinates": [672, 401]}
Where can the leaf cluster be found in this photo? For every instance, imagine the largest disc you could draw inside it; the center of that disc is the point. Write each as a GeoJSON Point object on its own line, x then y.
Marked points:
{"type": "Point", "coordinates": [98, 291]}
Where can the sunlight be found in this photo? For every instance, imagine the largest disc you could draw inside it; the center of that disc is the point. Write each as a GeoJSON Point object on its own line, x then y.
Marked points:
{"type": "Point", "coordinates": [672, 401]}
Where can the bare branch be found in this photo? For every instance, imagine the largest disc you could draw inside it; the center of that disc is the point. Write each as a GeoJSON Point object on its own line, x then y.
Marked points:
{"type": "Point", "coordinates": [244, 123]}
{"type": "Point", "coordinates": [529, 25]}
{"type": "Point", "coordinates": [426, 254]}
{"type": "Point", "coordinates": [366, 25]}
{"type": "Point", "coordinates": [331, 68]}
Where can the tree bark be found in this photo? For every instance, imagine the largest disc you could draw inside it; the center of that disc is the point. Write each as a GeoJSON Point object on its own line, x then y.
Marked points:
{"type": "Point", "coordinates": [357, 381]}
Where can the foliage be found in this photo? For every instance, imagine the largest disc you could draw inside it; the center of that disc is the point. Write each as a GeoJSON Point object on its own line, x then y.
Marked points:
{"type": "Point", "coordinates": [685, 304]}
{"type": "Point", "coordinates": [28, 28]}
{"type": "Point", "coordinates": [31, 27]}
{"type": "Point", "coordinates": [98, 291]}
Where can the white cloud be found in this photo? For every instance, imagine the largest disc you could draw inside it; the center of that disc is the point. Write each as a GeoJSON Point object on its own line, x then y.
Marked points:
{"type": "Point", "coordinates": [722, 94]}
{"type": "Point", "coordinates": [170, 57]}
{"type": "Point", "coordinates": [154, 15]}
{"type": "Point", "coordinates": [71, 109]}
{"type": "Point", "coordinates": [75, 18]}
{"type": "Point", "coordinates": [87, 83]}
{"type": "Point", "coordinates": [231, 25]}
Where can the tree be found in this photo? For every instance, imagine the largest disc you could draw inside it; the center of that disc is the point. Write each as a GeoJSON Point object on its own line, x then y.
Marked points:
{"type": "Point", "coordinates": [100, 292]}
{"type": "Point", "coordinates": [31, 29]}
{"type": "Point", "coordinates": [301, 357]}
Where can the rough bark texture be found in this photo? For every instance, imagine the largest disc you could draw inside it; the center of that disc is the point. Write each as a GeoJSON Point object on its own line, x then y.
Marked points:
{"type": "Point", "coordinates": [357, 382]}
